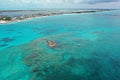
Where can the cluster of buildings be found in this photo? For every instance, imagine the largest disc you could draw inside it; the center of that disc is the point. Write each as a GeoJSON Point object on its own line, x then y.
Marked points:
{"type": "Point", "coordinates": [5, 19]}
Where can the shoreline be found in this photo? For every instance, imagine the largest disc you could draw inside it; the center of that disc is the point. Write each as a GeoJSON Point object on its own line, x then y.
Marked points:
{"type": "Point", "coordinates": [29, 17]}
{"type": "Point", "coordinates": [15, 21]}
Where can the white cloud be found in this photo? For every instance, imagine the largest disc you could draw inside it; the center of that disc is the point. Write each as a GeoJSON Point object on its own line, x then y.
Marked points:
{"type": "Point", "coordinates": [56, 3]}
{"type": "Point", "coordinates": [47, 1]}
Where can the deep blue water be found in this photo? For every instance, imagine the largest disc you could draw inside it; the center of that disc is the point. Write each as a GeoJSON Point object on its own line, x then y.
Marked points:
{"type": "Point", "coordinates": [88, 48]}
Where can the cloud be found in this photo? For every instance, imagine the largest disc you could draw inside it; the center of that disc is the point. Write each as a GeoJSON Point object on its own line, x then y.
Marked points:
{"type": "Point", "coordinates": [63, 1]}
{"type": "Point", "coordinates": [99, 1]}
{"type": "Point", "coordinates": [34, 4]}
{"type": "Point", "coordinates": [45, 1]}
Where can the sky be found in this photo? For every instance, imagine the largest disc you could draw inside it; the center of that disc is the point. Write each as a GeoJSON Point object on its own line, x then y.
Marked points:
{"type": "Point", "coordinates": [41, 4]}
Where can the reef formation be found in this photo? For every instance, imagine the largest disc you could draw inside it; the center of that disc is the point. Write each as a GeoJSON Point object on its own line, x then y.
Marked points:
{"type": "Point", "coordinates": [66, 61]}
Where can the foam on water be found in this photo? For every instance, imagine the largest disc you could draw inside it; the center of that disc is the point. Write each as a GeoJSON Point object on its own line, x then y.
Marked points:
{"type": "Point", "coordinates": [87, 48]}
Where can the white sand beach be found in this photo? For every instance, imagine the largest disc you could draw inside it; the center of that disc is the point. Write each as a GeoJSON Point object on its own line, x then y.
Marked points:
{"type": "Point", "coordinates": [3, 22]}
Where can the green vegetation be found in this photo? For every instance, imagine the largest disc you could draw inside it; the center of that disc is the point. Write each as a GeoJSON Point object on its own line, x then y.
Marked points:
{"type": "Point", "coordinates": [5, 18]}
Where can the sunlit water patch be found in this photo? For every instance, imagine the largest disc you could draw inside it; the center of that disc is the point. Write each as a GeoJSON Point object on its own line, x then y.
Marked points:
{"type": "Point", "coordinates": [87, 48]}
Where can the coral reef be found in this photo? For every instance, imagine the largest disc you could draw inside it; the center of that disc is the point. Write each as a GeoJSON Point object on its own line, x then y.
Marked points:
{"type": "Point", "coordinates": [67, 61]}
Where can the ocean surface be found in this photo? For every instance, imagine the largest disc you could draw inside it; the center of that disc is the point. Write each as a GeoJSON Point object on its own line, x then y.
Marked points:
{"type": "Point", "coordinates": [87, 48]}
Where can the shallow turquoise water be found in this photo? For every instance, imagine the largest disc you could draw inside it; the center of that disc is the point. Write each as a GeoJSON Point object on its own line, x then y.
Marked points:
{"type": "Point", "coordinates": [88, 48]}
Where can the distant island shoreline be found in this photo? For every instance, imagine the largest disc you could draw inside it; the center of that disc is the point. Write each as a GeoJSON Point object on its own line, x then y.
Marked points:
{"type": "Point", "coordinates": [7, 19]}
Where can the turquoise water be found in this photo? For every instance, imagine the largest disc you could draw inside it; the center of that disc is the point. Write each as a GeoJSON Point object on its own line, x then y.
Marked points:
{"type": "Point", "coordinates": [87, 48]}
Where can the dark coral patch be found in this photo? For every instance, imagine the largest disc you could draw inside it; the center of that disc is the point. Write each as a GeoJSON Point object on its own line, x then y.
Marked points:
{"type": "Point", "coordinates": [10, 30]}
{"type": "Point", "coordinates": [49, 32]}
{"type": "Point", "coordinates": [3, 45]}
{"type": "Point", "coordinates": [115, 62]}
{"type": "Point", "coordinates": [36, 29]}
{"type": "Point", "coordinates": [46, 32]}
{"type": "Point", "coordinates": [7, 39]}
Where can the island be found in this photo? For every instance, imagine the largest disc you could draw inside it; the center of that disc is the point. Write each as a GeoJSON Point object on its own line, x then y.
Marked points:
{"type": "Point", "coordinates": [5, 16]}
